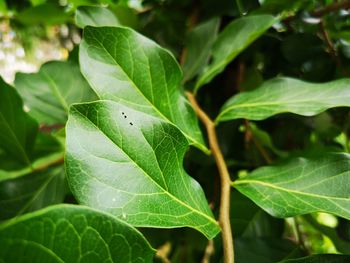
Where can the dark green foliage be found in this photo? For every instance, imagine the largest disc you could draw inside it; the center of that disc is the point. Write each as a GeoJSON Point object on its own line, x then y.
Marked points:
{"type": "Point", "coordinates": [112, 128]}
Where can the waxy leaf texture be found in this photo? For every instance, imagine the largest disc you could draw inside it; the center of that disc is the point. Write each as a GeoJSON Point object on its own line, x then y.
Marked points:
{"type": "Point", "coordinates": [69, 234]}
{"type": "Point", "coordinates": [129, 164]}
{"type": "Point", "coordinates": [301, 186]}
{"type": "Point", "coordinates": [124, 66]}
{"type": "Point", "coordinates": [281, 95]}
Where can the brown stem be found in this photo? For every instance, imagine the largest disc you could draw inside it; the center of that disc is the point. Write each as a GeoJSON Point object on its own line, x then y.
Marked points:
{"type": "Point", "coordinates": [332, 50]}
{"type": "Point", "coordinates": [224, 215]}
{"type": "Point", "coordinates": [191, 23]}
{"type": "Point", "coordinates": [331, 8]}
{"type": "Point", "coordinates": [258, 145]}
{"type": "Point", "coordinates": [209, 251]}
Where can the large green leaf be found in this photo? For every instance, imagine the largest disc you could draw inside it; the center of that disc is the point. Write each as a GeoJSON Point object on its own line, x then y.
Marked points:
{"type": "Point", "coordinates": [301, 186]}
{"type": "Point", "coordinates": [17, 129]}
{"type": "Point", "coordinates": [122, 65]}
{"type": "Point", "coordinates": [49, 93]}
{"type": "Point", "coordinates": [321, 258]}
{"type": "Point", "coordinates": [68, 233]}
{"type": "Point", "coordinates": [95, 16]}
{"type": "Point", "coordinates": [129, 163]}
{"type": "Point", "coordinates": [237, 36]}
{"type": "Point", "coordinates": [281, 95]}
{"type": "Point", "coordinates": [31, 192]}
{"type": "Point", "coordinates": [198, 47]}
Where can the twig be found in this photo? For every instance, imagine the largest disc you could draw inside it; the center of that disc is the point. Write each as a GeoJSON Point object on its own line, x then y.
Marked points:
{"type": "Point", "coordinates": [209, 251]}
{"type": "Point", "coordinates": [191, 23]}
{"type": "Point", "coordinates": [258, 145]}
{"type": "Point", "coordinates": [224, 215]}
{"type": "Point", "coordinates": [332, 50]}
{"type": "Point", "coordinates": [331, 8]}
{"type": "Point", "coordinates": [163, 252]}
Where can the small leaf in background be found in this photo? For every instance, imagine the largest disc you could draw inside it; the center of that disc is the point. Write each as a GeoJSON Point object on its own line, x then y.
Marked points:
{"type": "Point", "coordinates": [31, 192]}
{"type": "Point", "coordinates": [326, 258]}
{"type": "Point", "coordinates": [130, 164]}
{"type": "Point", "coordinates": [250, 221]}
{"type": "Point", "coordinates": [198, 47]}
{"type": "Point", "coordinates": [49, 93]}
{"type": "Point", "coordinates": [122, 65]}
{"type": "Point", "coordinates": [67, 233]}
{"type": "Point", "coordinates": [340, 244]}
{"type": "Point", "coordinates": [301, 186]}
{"type": "Point", "coordinates": [18, 129]}
{"type": "Point", "coordinates": [265, 250]}
{"type": "Point", "coordinates": [47, 13]}
{"type": "Point", "coordinates": [95, 16]}
{"type": "Point", "coordinates": [281, 95]}
{"type": "Point", "coordinates": [237, 36]}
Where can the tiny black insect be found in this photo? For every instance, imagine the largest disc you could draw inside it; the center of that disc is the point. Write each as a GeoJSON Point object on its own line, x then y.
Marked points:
{"type": "Point", "coordinates": [125, 117]}
{"type": "Point", "coordinates": [131, 123]}
{"type": "Point", "coordinates": [123, 113]}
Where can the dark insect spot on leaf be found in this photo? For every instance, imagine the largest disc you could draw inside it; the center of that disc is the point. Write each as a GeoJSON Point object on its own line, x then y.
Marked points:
{"type": "Point", "coordinates": [123, 113]}
{"type": "Point", "coordinates": [125, 117]}
{"type": "Point", "coordinates": [131, 123]}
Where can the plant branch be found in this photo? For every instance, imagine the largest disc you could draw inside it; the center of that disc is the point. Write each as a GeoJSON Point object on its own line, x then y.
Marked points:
{"type": "Point", "coordinates": [332, 50]}
{"type": "Point", "coordinates": [209, 251]}
{"type": "Point", "coordinates": [224, 216]}
{"type": "Point", "coordinates": [331, 8]}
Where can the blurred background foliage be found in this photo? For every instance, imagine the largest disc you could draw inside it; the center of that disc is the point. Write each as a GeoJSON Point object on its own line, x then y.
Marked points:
{"type": "Point", "coordinates": [311, 41]}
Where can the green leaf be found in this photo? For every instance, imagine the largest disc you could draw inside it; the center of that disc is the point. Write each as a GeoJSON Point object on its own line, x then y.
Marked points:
{"type": "Point", "coordinates": [326, 258]}
{"type": "Point", "coordinates": [122, 65]}
{"type": "Point", "coordinates": [301, 186]}
{"type": "Point", "coordinates": [37, 164]}
{"type": "Point", "coordinates": [51, 91]}
{"type": "Point", "coordinates": [237, 36]}
{"type": "Point", "coordinates": [282, 95]}
{"type": "Point", "coordinates": [133, 169]}
{"type": "Point", "coordinates": [47, 14]}
{"type": "Point", "coordinates": [95, 16]}
{"type": "Point", "coordinates": [31, 192]}
{"type": "Point", "coordinates": [18, 130]}
{"type": "Point", "coordinates": [340, 244]}
{"type": "Point", "coordinates": [250, 221]}
{"type": "Point", "coordinates": [264, 250]}
{"type": "Point", "coordinates": [198, 47]}
{"type": "Point", "coordinates": [67, 233]}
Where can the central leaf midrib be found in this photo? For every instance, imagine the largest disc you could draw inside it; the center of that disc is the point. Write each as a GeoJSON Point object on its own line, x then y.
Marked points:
{"type": "Point", "coordinates": [140, 92]}
{"type": "Point", "coordinates": [272, 103]}
{"type": "Point", "coordinates": [146, 174]}
{"type": "Point", "coordinates": [247, 182]}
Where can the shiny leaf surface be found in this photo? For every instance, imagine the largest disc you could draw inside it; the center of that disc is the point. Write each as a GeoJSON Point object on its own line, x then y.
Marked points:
{"type": "Point", "coordinates": [130, 164]}
{"type": "Point", "coordinates": [124, 66]}
{"type": "Point", "coordinates": [68, 233]}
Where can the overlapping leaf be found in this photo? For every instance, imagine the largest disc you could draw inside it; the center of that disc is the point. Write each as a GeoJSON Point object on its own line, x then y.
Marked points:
{"type": "Point", "coordinates": [130, 164]}
{"type": "Point", "coordinates": [237, 36]}
{"type": "Point", "coordinates": [31, 192]}
{"type": "Point", "coordinates": [301, 186]}
{"type": "Point", "coordinates": [124, 66]}
{"type": "Point", "coordinates": [68, 233]}
{"type": "Point", "coordinates": [49, 93]}
{"type": "Point", "coordinates": [198, 47]}
{"type": "Point", "coordinates": [18, 130]}
{"type": "Point", "coordinates": [95, 16]}
{"type": "Point", "coordinates": [282, 95]}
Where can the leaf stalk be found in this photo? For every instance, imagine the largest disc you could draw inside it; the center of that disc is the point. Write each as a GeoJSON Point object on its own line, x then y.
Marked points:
{"type": "Point", "coordinates": [224, 215]}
